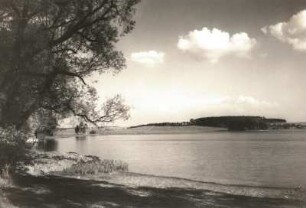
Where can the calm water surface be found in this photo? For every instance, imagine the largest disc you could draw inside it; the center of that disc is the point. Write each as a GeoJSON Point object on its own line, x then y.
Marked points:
{"type": "Point", "coordinates": [268, 159]}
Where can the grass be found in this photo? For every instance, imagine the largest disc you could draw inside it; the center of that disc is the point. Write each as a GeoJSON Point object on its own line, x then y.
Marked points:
{"type": "Point", "coordinates": [71, 164]}
{"type": "Point", "coordinates": [95, 166]}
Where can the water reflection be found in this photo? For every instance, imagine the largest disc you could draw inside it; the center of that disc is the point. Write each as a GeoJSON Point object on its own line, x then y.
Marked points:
{"type": "Point", "coordinates": [80, 137]}
{"type": "Point", "coordinates": [48, 145]}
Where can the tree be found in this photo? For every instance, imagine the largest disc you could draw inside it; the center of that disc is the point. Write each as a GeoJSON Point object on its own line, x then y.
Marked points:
{"type": "Point", "coordinates": [49, 47]}
{"type": "Point", "coordinates": [45, 121]}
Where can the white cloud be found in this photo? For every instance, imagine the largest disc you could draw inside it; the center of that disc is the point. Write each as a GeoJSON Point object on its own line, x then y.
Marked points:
{"type": "Point", "coordinates": [292, 32]}
{"type": "Point", "coordinates": [243, 105]}
{"type": "Point", "coordinates": [248, 101]}
{"type": "Point", "coordinates": [149, 58]}
{"type": "Point", "coordinates": [214, 44]}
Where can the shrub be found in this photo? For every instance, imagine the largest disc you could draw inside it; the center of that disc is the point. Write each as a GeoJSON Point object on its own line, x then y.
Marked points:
{"type": "Point", "coordinates": [13, 149]}
{"type": "Point", "coordinates": [93, 132]}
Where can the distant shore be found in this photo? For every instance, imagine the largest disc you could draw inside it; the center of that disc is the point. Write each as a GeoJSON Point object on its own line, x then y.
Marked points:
{"type": "Point", "coordinates": [69, 132]}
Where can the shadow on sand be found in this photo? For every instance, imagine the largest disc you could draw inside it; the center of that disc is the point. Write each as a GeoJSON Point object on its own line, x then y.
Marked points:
{"type": "Point", "coordinates": [40, 192]}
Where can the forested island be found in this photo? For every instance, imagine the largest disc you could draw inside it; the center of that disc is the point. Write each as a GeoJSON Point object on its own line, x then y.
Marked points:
{"type": "Point", "coordinates": [233, 123]}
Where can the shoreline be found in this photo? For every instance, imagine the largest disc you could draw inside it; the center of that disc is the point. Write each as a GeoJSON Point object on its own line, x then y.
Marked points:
{"type": "Point", "coordinates": [65, 133]}
{"type": "Point", "coordinates": [123, 188]}
{"type": "Point", "coordinates": [61, 162]}
{"type": "Point", "coordinates": [54, 191]}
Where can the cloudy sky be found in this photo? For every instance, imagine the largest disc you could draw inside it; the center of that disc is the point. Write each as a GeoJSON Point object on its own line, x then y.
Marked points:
{"type": "Point", "coordinates": [195, 58]}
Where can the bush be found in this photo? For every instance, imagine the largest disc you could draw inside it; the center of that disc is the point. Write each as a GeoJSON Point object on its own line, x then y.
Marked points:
{"type": "Point", "coordinates": [13, 149]}
{"type": "Point", "coordinates": [93, 132]}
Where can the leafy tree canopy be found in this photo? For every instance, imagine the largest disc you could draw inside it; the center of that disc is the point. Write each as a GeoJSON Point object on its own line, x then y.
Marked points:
{"type": "Point", "coordinates": [48, 47]}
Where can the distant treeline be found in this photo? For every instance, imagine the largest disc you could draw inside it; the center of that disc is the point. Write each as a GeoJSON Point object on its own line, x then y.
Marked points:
{"type": "Point", "coordinates": [163, 124]}
{"type": "Point", "coordinates": [237, 123]}
{"type": "Point", "coordinates": [232, 123]}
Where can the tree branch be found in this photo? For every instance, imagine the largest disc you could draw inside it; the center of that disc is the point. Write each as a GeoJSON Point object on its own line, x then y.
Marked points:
{"type": "Point", "coordinates": [82, 24]}
{"type": "Point", "coordinates": [71, 74]}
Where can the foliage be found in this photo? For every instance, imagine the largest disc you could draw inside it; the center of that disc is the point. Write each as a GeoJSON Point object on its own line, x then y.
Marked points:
{"type": "Point", "coordinates": [81, 128]}
{"type": "Point", "coordinates": [46, 121]}
{"type": "Point", "coordinates": [13, 149]}
{"type": "Point", "coordinates": [234, 123]}
{"type": "Point", "coordinates": [162, 124]}
{"type": "Point", "coordinates": [248, 124]}
{"type": "Point", "coordinates": [49, 47]}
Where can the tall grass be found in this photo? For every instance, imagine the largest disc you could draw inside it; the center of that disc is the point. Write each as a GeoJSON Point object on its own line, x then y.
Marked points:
{"type": "Point", "coordinates": [96, 166]}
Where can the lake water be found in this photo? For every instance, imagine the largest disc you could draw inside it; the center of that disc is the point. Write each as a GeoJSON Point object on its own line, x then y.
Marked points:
{"type": "Point", "coordinates": [261, 159]}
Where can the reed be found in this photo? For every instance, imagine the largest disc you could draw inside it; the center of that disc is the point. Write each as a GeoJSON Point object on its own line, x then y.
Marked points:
{"type": "Point", "coordinates": [96, 166]}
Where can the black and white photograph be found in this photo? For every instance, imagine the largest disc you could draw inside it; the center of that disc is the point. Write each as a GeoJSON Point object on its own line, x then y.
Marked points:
{"type": "Point", "coordinates": [152, 103]}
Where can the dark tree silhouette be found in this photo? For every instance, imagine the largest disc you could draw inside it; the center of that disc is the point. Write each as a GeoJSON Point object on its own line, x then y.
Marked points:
{"type": "Point", "coordinates": [49, 47]}
{"type": "Point", "coordinates": [235, 123]}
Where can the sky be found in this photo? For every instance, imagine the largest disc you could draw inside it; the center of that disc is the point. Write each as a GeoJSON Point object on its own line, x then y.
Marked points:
{"type": "Point", "coordinates": [196, 58]}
